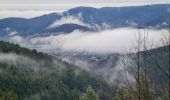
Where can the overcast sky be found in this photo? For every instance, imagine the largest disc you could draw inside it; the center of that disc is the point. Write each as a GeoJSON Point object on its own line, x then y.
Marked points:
{"type": "Point", "coordinates": [67, 4]}
{"type": "Point", "coordinates": [31, 8]}
{"type": "Point", "coordinates": [73, 1]}
{"type": "Point", "coordinates": [81, 2]}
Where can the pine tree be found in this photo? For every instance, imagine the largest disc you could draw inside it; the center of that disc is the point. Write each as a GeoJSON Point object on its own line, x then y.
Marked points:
{"type": "Point", "coordinates": [90, 94]}
{"type": "Point", "coordinates": [8, 95]}
{"type": "Point", "coordinates": [125, 93]}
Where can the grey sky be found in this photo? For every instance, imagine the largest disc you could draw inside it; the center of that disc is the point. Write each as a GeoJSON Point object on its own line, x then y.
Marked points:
{"type": "Point", "coordinates": [60, 1]}
{"type": "Point", "coordinates": [78, 1]}
{"type": "Point", "coordinates": [67, 4]}
{"type": "Point", "coordinates": [53, 1]}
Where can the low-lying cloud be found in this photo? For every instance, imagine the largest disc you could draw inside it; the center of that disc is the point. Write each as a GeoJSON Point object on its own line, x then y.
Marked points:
{"type": "Point", "coordinates": [108, 41]}
{"type": "Point", "coordinates": [25, 62]}
{"type": "Point", "coordinates": [19, 61]}
{"type": "Point", "coordinates": [69, 19]}
{"type": "Point", "coordinates": [115, 73]}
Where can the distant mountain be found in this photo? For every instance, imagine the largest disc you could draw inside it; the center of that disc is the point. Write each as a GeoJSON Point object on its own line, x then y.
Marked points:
{"type": "Point", "coordinates": [68, 28]}
{"type": "Point", "coordinates": [152, 16]}
{"type": "Point", "coordinates": [116, 17]}
{"type": "Point", "coordinates": [26, 27]}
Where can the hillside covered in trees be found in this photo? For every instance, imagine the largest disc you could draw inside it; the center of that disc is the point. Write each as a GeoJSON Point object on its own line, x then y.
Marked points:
{"type": "Point", "coordinates": [30, 75]}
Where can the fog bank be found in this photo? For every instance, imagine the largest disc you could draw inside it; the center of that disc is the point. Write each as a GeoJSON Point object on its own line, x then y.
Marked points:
{"type": "Point", "coordinates": [108, 41]}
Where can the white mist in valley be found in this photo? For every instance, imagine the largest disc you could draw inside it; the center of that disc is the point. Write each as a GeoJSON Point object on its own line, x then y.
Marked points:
{"type": "Point", "coordinates": [24, 62]}
{"type": "Point", "coordinates": [20, 61]}
{"type": "Point", "coordinates": [108, 41]}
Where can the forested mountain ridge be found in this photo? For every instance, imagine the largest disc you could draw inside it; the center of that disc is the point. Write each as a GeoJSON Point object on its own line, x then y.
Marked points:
{"type": "Point", "coordinates": [152, 16]}
{"type": "Point", "coordinates": [27, 74]}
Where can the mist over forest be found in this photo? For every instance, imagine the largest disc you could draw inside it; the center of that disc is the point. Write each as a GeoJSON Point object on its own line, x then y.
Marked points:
{"type": "Point", "coordinates": [86, 53]}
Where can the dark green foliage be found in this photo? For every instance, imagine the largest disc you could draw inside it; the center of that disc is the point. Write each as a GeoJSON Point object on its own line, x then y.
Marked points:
{"type": "Point", "coordinates": [8, 95]}
{"type": "Point", "coordinates": [125, 93]}
{"type": "Point", "coordinates": [46, 78]}
{"type": "Point", "coordinates": [90, 94]}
